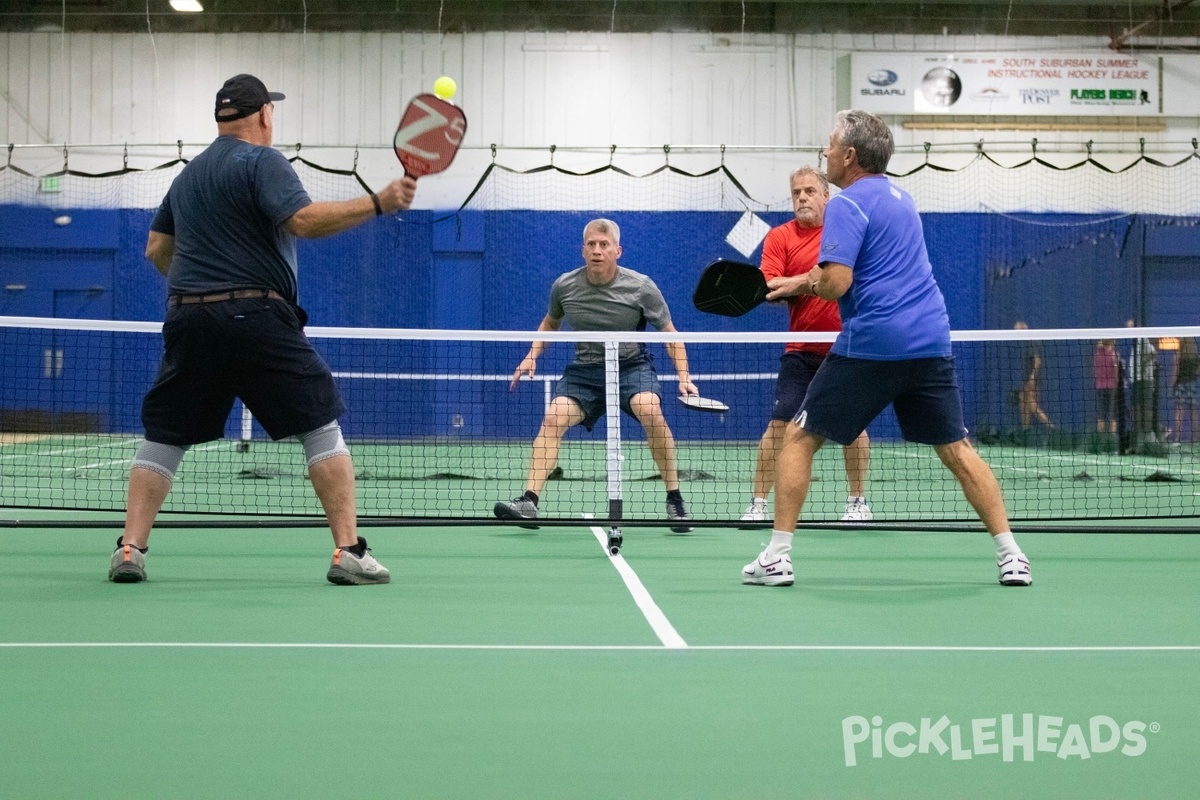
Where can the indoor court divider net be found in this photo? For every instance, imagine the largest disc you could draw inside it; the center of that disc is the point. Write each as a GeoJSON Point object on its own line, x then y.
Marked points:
{"type": "Point", "coordinates": [438, 436]}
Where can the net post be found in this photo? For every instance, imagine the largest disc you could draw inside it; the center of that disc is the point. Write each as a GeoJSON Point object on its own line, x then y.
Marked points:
{"type": "Point", "coordinates": [612, 444]}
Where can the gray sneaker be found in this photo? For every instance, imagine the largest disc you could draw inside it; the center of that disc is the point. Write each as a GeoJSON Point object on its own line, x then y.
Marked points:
{"type": "Point", "coordinates": [347, 569]}
{"type": "Point", "coordinates": [677, 512]}
{"type": "Point", "coordinates": [128, 564]}
{"type": "Point", "coordinates": [519, 508]}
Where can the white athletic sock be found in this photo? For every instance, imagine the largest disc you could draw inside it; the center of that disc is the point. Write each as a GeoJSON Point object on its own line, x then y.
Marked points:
{"type": "Point", "coordinates": [855, 499]}
{"type": "Point", "coordinates": [781, 542]}
{"type": "Point", "coordinates": [1006, 546]}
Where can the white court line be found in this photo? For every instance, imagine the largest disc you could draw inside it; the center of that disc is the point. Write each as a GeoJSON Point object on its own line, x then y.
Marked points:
{"type": "Point", "coordinates": [848, 648]}
{"type": "Point", "coordinates": [37, 454]}
{"type": "Point", "coordinates": [659, 623]}
{"type": "Point", "coordinates": [927, 454]}
{"type": "Point", "coordinates": [129, 460]}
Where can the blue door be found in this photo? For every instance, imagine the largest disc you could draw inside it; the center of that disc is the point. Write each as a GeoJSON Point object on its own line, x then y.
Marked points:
{"type": "Point", "coordinates": [56, 380]}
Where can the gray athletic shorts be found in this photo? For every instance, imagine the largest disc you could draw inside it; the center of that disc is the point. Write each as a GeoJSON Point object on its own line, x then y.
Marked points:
{"type": "Point", "coordinates": [584, 383]}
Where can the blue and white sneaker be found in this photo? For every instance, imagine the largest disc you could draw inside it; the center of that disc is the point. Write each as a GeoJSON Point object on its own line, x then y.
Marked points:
{"type": "Point", "coordinates": [755, 512]}
{"type": "Point", "coordinates": [769, 570]}
{"type": "Point", "coordinates": [857, 511]}
{"type": "Point", "coordinates": [1014, 571]}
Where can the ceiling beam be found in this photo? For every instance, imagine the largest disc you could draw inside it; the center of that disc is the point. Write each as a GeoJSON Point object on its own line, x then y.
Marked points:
{"type": "Point", "coordinates": [1164, 14]}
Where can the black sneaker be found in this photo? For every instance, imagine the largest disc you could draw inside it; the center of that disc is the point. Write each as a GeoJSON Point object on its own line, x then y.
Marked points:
{"type": "Point", "coordinates": [677, 512]}
{"type": "Point", "coordinates": [519, 508]}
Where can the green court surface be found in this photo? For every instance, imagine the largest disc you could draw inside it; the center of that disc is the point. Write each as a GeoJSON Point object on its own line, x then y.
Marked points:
{"type": "Point", "coordinates": [506, 663]}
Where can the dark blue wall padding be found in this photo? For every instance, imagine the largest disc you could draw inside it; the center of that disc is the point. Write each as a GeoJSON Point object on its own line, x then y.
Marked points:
{"type": "Point", "coordinates": [493, 270]}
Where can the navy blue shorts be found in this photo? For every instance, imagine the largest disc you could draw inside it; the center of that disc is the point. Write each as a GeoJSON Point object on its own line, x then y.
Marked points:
{"type": "Point", "coordinates": [584, 383]}
{"type": "Point", "coordinates": [796, 371]}
{"type": "Point", "coordinates": [254, 349]}
{"type": "Point", "coordinates": [847, 393]}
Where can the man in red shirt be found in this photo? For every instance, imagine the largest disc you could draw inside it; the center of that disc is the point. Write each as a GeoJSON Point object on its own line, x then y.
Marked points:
{"type": "Point", "coordinates": [789, 252]}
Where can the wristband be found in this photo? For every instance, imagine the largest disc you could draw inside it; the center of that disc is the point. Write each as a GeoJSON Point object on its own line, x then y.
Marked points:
{"type": "Point", "coordinates": [378, 207]}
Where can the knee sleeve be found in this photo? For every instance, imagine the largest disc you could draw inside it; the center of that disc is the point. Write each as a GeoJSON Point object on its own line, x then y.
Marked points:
{"type": "Point", "coordinates": [161, 458]}
{"type": "Point", "coordinates": [325, 442]}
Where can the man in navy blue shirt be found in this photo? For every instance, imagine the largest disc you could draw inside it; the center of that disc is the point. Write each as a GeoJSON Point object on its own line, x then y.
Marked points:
{"type": "Point", "coordinates": [225, 238]}
{"type": "Point", "coordinates": [894, 348]}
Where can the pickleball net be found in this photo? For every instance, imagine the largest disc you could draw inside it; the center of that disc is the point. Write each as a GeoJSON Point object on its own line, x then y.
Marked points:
{"type": "Point", "coordinates": [437, 435]}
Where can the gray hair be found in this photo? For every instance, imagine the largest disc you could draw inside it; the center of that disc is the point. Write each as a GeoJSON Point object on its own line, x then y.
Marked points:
{"type": "Point", "coordinates": [868, 135]}
{"type": "Point", "coordinates": [604, 226]}
{"type": "Point", "coordinates": [821, 177]}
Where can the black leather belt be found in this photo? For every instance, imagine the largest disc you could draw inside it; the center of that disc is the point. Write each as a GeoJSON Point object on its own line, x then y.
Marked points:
{"type": "Point", "coordinates": [176, 300]}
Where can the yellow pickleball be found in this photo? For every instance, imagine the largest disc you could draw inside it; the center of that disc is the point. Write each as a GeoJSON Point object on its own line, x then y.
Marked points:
{"type": "Point", "coordinates": [445, 87]}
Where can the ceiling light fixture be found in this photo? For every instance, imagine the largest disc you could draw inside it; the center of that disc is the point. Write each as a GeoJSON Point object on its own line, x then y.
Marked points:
{"type": "Point", "coordinates": [187, 5]}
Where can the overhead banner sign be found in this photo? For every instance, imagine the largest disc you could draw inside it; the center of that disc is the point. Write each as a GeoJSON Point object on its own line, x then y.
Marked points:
{"type": "Point", "coordinates": [1006, 84]}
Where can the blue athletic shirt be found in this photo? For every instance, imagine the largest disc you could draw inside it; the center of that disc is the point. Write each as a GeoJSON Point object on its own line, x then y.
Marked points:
{"type": "Point", "coordinates": [226, 210]}
{"type": "Point", "coordinates": [893, 310]}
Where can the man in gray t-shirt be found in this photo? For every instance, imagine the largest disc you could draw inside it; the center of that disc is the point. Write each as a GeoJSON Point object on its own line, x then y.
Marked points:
{"type": "Point", "coordinates": [603, 296]}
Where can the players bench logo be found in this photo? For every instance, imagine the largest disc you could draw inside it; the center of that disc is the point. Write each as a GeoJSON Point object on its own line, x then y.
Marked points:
{"type": "Point", "coordinates": [1028, 734]}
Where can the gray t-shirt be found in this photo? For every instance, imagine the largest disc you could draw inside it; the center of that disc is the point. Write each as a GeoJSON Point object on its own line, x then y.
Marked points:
{"type": "Point", "coordinates": [626, 303]}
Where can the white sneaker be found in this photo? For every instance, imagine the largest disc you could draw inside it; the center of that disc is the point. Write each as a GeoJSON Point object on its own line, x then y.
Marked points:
{"type": "Point", "coordinates": [858, 511]}
{"type": "Point", "coordinates": [1014, 571]}
{"type": "Point", "coordinates": [769, 570]}
{"type": "Point", "coordinates": [754, 513]}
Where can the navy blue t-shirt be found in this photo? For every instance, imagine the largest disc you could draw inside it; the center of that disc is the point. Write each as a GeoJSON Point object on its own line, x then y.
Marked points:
{"type": "Point", "coordinates": [226, 210]}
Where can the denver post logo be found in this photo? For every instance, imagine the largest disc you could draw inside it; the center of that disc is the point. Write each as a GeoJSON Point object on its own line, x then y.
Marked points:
{"type": "Point", "coordinates": [1028, 734]}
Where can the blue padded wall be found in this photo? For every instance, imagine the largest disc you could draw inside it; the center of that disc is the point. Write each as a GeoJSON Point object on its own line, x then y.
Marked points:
{"type": "Point", "coordinates": [493, 270]}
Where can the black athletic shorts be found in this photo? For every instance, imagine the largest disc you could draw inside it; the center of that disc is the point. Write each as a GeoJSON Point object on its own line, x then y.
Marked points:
{"type": "Point", "coordinates": [254, 349]}
{"type": "Point", "coordinates": [796, 371]}
{"type": "Point", "coordinates": [846, 394]}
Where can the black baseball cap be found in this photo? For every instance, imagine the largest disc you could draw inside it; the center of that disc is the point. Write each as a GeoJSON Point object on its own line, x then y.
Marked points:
{"type": "Point", "coordinates": [241, 96]}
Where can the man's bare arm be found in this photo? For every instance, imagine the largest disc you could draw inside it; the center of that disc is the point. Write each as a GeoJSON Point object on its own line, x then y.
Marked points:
{"type": "Point", "coordinates": [678, 355]}
{"type": "Point", "coordinates": [528, 365]}
{"type": "Point", "coordinates": [829, 281]}
{"type": "Point", "coordinates": [325, 219]}
{"type": "Point", "coordinates": [160, 249]}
